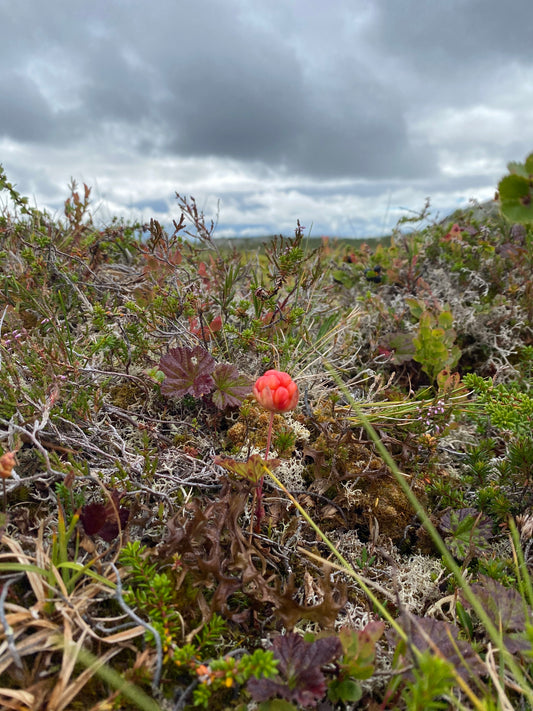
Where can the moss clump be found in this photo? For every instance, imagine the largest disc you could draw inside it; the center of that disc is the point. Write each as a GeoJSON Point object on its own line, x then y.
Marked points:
{"type": "Point", "coordinates": [383, 500]}
{"type": "Point", "coordinates": [251, 429]}
{"type": "Point", "coordinates": [126, 395]}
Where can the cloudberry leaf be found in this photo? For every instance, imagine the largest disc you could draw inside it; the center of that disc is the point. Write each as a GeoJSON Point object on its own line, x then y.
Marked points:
{"type": "Point", "coordinates": [300, 679]}
{"type": "Point", "coordinates": [442, 639]}
{"type": "Point", "coordinates": [188, 371]}
{"type": "Point", "coordinates": [516, 192]}
{"type": "Point", "coordinates": [231, 387]}
{"type": "Point", "coordinates": [468, 531]}
{"type": "Point", "coordinates": [507, 612]}
{"type": "Point", "coordinates": [101, 519]}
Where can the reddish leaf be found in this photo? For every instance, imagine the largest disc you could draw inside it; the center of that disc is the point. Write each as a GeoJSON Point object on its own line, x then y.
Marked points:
{"type": "Point", "coordinates": [205, 332]}
{"type": "Point", "coordinates": [507, 611]}
{"type": "Point", "coordinates": [442, 638]}
{"type": "Point", "coordinates": [187, 371]}
{"type": "Point", "coordinates": [101, 519]}
{"type": "Point", "coordinates": [93, 516]}
{"type": "Point", "coordinates": [399, 345]}
{"type": "Point", "coordinates": [212, 545]}
{"type": "Point", "coordinates": [110, 529]}
{"type": "Point", "coordinates": [230, 386]}
{"type": "Point", "coordinates": [300, 677]}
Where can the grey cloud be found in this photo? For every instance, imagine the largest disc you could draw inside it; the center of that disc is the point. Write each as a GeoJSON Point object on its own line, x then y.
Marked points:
{"type": "Point", "coordinates": [237, 111]}
{"type": "Point", "coordinates": [456, 51]}
{"type": "Point", "coordinates": [212, 85]}
{"type": "Point", "coordinates": [301, 91]}
{"type": "Point", "coordinates": [111, 88]}
{"type": "Point", "coordinates": [24, 112]}
{"type": "Point", "coordinates": [457, 31]}
{"type": "Point", "coordinates": [258, 102]}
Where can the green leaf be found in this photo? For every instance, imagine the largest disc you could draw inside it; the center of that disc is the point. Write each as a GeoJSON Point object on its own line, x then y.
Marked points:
{"type": "Point", "coordinates": [512, 187]}
{"type": "Point", "coordinates": [516, 168]}
{"type": "Point", "coordinates": [516, 198]}
{"type": "Point", "coordinates": [434, 345]}
{"type": "Point", "coordinates": [416, 306]}
{"type": "Point", "coordinates": [24, 568]}
{"type": "Point", "coordinates": [343, 278]}
{"type": "Point", "coordinates": [85, 570]}
{"type": "Point", "coordinates": [445, 319]}
{"type": "Point", "coordinates": [465, 619]}
{"type": "Point", "coordinates": [523, 169]}
{"type": "Point", "coordinates": [469, 531]}
{"type": "Point", "coordinates": [346, 690]}
{"type": "Point", "coordinates": [253, 469]}
{"type": "Point", "coordinates": [359, 647]}
{"type": "Point", "coordinates": [327, 324]}
{"type": "Point", "coordinates": [529, 165]}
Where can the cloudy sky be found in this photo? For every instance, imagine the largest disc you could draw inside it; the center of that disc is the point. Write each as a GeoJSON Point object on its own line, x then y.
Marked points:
{"type": "Point", "coordinates": [344, 114]}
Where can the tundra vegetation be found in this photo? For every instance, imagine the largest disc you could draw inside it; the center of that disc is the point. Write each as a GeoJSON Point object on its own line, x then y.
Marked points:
{"type": "Point", "coordinates": [152, 557]}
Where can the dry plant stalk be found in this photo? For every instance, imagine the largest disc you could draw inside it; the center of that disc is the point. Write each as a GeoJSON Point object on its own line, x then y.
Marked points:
{"type": "Point", "coordinates": [34, 639]}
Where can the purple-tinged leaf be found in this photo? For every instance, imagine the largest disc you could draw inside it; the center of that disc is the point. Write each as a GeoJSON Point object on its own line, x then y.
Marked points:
{"type": "Point", "coordinates": [231, 387]}
{"type": "Point", "coordinates": [188, 371]}
{"type": "Point", "coordinates": [506, 610]}
{"type": "Point", "coordinates": [110, 529]}
{"type": "Point", "coordinates": [101, 519]}
{"type": "Point", "coordinates": [400, 347]}
{"type": "Point", "coordinates": [300, 678]}
{"type": "Point", "coordinates": [93, 517]}
{"type": "Point", "coordinates": [442, 639]}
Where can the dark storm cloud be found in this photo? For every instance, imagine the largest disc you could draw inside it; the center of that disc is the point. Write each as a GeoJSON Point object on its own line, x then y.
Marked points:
{"type": "Point", "coordinates": [456, 51]}
{"type": "Point", "coordinates": [314, 100]}
{"type": "Point", "coordinates": [455, 33]}
{"type": "Point", "coordinates": [24, 113]}
{"type": "Point", "coordinates": [289, 125]}
{"type": "Point", "coordinates": [207, 80]}
{"type": "Point", "coordinates": [258, 94]}
{"type": "Point", "coordinates": [113, 88]}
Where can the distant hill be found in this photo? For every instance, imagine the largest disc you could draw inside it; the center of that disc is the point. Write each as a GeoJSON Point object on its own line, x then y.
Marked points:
{"type": "Point", "coordinates": [479, 211]}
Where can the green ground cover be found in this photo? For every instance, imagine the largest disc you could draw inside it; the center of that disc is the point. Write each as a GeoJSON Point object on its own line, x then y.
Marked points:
{"type": "Point", "coordinates": [390, 565]}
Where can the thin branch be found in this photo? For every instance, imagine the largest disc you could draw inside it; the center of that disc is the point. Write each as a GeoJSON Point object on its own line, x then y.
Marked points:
{"type": "Point", "coordinates": [159, 648]}
{"type": "Point", "coordinates": [8, 630]}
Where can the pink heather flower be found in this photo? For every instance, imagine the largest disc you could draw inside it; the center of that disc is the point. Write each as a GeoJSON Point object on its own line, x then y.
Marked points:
{"type": "Point", "coordinates": [276, 391]}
